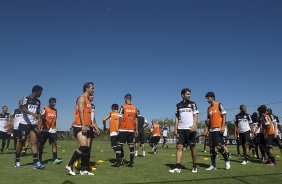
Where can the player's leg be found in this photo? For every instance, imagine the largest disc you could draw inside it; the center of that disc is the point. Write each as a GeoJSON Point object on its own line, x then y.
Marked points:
{"type": "Point", "coordinates": [114, 144]}
{"type": "Point", "coordinates": [4, 139]}
{"type": "Point", "coordinates": [33, 134]}
{"type": "Point", "coordinates": [53, 142]}
{"type": "Point", "coordinates": [212, 143]}
{"type": "Point", "coordinates": [142, 142]}
{"type": "Point", "coordinates": [192, 143]}
{"type": "Point", "coordinates": [220, 146]}
{"type": "Point", "coordinates": [43, 136]}
{"type": "Point", "coordinates": [23, 132]}
{"type": "Point", "coordinates": [180, 141]}
{"type": "Point", "coordinates": [130, 142]}
{"type": "Point", "coordinates": [8, 141]}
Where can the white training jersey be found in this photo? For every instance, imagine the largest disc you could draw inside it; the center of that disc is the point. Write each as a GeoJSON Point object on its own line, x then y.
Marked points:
{"type": "Point", "coordinates": [32, 105]}
{"type": "Point", "coordinates": [17, 118]}
{"type": "Point", "coordinates": [185, 112]}
{"type": "Point", "coordinates": [243, 121]}
{"type": "Point", "coordinates": [4, 118]}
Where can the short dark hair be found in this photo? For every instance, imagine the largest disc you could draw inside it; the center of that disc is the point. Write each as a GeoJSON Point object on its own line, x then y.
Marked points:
{"type": "Point", "coordinates": [37, 88]}
{"type": "Point", "coordinates": [262, 109]}
{"type": "Point", "coordinates": [184, 90]}
{"type": "Point", "coordinates": [242, 106]}
{"type": "Point", "coordinates": [52, 99]}
{"type": "Point", "coordinates": [115, 107]}
{"type": "Point", "coordinates": [128, 95]}
{"type": "Point", "coordinates": [4, 106]}
{"type": "Point", "coordinates": [210, 94]}
{"type": "Point", "coordinates": [87, 85]}
{"type": "Point", "coordinates": [254, 117]}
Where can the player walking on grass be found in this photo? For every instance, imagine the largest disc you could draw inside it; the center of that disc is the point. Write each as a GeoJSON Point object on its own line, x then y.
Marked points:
{"type": "Point", "coordinates": [277, 126]}
{"type": "Point", "coordinates": [155, 136]}
{"type": "Point", "coordinates": [82, 130]}
{"type": "Point", "coordinates": [49, 130]}
{"type": "Point", "coordinates": [4, 122]}
{"type": "Point", "coordinates": [186, 118]}
{"type": "Point", "coordinates": [128, 129]}
{"type": "Point", "coordinates": [114, 118]}
{"type": "Point", "coordinates": [16, 118]}
{"type": "Point", "coordinates": [28, 126]}
{"type": "Point", "coordinates": [165, 134]}
{"type": "Point", "coordinates": [243, 124]}
{"type": "Point", "coordinates": [268, 130]}
{"type": "Point", "coordinates": [216, 127]}
{"type": "Point", "coordinates": [140, 139]}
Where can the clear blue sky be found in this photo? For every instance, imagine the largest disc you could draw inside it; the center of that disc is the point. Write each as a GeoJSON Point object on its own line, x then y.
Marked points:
{"type": "Point", "coordinates": [150, 48]}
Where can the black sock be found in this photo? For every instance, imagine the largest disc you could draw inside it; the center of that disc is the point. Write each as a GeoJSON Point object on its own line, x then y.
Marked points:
{"type": "Point", "coordinates": [3, 144]}
{"type": "Point", "coordinates": [131, 149]}
{"type": "Point", "coordinates": [40, 152]}
{"type": "Point", "coordinates": [224, 154]}
{"type": "Point", "coordinates": [118, 154]}
{"type": "Point", "coordinates": [76, 155]}
{"type": "Point", "coordinates": [122, 152]}
{"type": "Point", "coordinates": [35, 158]}
{"type": "Point", "coordinates": [18, 155]}
{"type": "Point", "coordinates": [213, 157]}
{"type": "Point", "coordinates": [247, 158]}
{"type": "Point", "coordinates": [55, 155]}
{"type": "Point", "coordinates": [178, 165]}
{"type": "Point", "coordinates": [273, 160]}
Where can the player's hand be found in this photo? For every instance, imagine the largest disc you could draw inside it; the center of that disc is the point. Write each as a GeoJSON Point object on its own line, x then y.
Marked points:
{"type": "Point", "coordinates": [175, 132]}
{"type": "Point", "coordinates": [136, 133]}
{"type": "Point", "coordinates": [222, 129]}
{"type": "Point", "coordinates": [84, 129]}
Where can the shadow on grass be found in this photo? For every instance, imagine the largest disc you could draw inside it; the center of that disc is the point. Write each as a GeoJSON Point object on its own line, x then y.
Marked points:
{"type": "Point", "coordinates": [67, 182]}
{"type": "Point", "coordinates": [237, 178]}
{"type": "Point", "coordinates": [172, 166]}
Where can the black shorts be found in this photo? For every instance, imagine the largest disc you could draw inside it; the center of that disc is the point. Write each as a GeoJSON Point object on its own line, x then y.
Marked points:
{"type": "Point", "coordinates": [215, 139]}
{"type": "Point", "coordinates": [3, 135]}
{"type": "Point", "coordinates": [186, 137]}
{"type": "Point", "coordinates": [114, 141]}
{"type": "Point", "coordinates": [16, 134]}
{"type": "Point", "coordinates": [164, 139]}
{"type": "Point", "coordinates": [244, 138]}
{"type": "Point", "coordinates": [89, 133]}
{"type": "Point", "coordinates": [24, 131]}
{"type": "Point", "coordinates": [268, 142]}
{"type": "Point", "coordinates": [260, 139]}
{"type": "Point", "coordinates": [155, 140]}
{"type": "Point", "coordinates": [140, 137]}
{"type": "Point", "coordinates": [126, 137]}
{"type": "Point", "coordinates": [43, 136]}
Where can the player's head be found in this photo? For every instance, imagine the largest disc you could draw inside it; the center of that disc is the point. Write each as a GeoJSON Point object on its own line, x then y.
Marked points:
{"type": "Point", "coordinates": [243, 109]}
{"type": "Point", "coordinates": [52, 102]}
{"type": "Point", "coordinates": [262, 109]}
{"type": "Point", "coordinates": [91, 97]}
{"type": "Point", "coordinates": [269, 111]}
{"type": "Point", "coordinates": [115, 107]}
{"type": "Point", "coordinates": [210, 97]}
{"type": "Point", "coordinates": [37, 91]}
{"type": "Point", "coordinates": [128, 98]}
{"type": "Point", "coordinates": [254, 117]}
{"type": "Point", "coordinates": [88, 87]}
{"type": "Point", "coordinates": [92, 106]}
{"type": "Point", "coordinates": [186, 93]}
{"type": "Point", "coordinates": [138, 112]}
{"type": "Point", "coordinates": [5, 108]}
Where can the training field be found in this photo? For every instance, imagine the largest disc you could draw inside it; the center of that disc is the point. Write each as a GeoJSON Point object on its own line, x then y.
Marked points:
{"type": "Point", "coordinates": [151, 169]}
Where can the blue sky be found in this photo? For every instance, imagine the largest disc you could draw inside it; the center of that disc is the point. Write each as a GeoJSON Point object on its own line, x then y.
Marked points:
{"type": "Point", "coordinates": [151, 49]}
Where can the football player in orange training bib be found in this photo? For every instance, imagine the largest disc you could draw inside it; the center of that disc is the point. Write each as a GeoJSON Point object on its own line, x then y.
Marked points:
{"type": "Point", "coordinates": [82, 130]}
{"type": "Point", "coordinates": [49, 130]}
{"type": "Point", "coordinates": [114, 117]}
{"type": "Point", "coordinates": [216, 128]}
{"type": "Point", "coordinates": [128, 129]}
